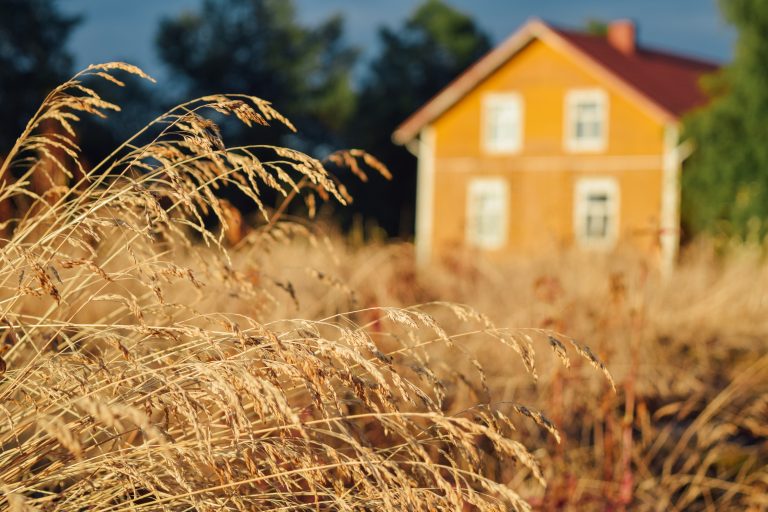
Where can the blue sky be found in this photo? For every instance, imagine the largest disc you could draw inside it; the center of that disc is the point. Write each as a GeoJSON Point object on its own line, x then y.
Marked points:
{"type": "Point", "coordinates": [124, 30]}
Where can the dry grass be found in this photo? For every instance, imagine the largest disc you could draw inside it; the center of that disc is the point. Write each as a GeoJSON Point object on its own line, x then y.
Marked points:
{"type": "Point", "coordinates": [687, 428]}
{"type": "Point", "coordinates": [146, 366]}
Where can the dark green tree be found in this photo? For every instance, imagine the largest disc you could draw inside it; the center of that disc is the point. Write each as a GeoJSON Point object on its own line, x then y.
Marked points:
{"type": "Point", "coordinates": [33, 59]}
{"type": "Point", "coordinates": [596, 27]}
{"type": "Point", "coordinates": [434, 45]}
{"type": "Point", "coordinates": [258, 47]}
{"type": "Point", "coordinates": [725, 182]}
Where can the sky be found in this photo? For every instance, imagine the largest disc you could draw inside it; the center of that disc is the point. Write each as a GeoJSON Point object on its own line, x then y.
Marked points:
{"type": "Point", "coordinates": [125, 30]}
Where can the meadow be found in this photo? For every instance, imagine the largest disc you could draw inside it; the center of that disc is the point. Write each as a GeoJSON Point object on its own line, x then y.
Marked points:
{"type": "Point", "coordinates": [155, 359]}
{"type": "Point", "coordinates": [685, 429]}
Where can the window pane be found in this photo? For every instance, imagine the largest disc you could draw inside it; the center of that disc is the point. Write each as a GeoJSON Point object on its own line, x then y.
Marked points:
{"type": "Point", "coordinates": [597, 215]}
{"type": "Point", "coordinates": [503, 123]}
{"type": "Point", "coordinates": [586, 111]}
{"type": "Point", "coordinates": [581, 130]}
{"type": "Point", "coordinates": [487, 213]}
{"type": "Point", "coordinates": [588, 122]}
{"type": "Point", "coordinates": [596, 210]}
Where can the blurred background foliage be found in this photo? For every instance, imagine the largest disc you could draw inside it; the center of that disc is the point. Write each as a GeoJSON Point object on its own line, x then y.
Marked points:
{"type": "Point", "coordinates": [338, 100]}
{"type": "Point", "coordinates": [259, 47]}
{"type": "Point", "coordinates": [34, 59]}
{"type": "Point", "coordinates": [725, 183]}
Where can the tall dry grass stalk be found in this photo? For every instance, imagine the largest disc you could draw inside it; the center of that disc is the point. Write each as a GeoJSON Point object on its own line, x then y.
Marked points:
{"type": "Point", "coordinates": [145, 367]}
{"type": "Point", "coordinates": [686, 429]}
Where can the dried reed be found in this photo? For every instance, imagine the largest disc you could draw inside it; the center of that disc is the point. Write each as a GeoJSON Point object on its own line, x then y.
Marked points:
{"type": "Point", "coordinates": [686, 429]}
{"type": "Point", "coordinates": [144, 367]}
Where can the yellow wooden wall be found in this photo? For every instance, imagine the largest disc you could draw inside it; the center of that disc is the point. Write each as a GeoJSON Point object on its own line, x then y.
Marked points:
{"type": "Point", "coordinates": [542, 174]}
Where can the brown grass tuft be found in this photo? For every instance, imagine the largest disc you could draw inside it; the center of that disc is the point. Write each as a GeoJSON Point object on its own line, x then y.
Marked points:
{"type": "Point", "coordinates": [150, 367]}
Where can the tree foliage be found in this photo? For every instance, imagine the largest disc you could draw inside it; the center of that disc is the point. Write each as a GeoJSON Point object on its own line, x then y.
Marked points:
{"type": "Point", "coordinates": [258, 47]}
{"type": "Point", "coordinates": [596, 27]}
{"type": "Point", "coordinates": [434, 45]}
{"type": "Point", "coordinates": [34, 59]}
{"type": "Point", "coordinates": [725, 183]}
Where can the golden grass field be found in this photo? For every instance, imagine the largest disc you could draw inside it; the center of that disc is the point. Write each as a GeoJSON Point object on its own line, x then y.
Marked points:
{"type": "Point", "coordinates": [152, 360]}
{"type": "Point", "coordinates": [686, 429]}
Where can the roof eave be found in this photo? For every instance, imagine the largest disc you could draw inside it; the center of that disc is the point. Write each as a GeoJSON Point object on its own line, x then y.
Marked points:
{"type": "Point", "coordinates": [652, 106]}
{"type": "Point", "coordinates": [409, 129]}
{"type": "Point", "coordinates": [465, 82]}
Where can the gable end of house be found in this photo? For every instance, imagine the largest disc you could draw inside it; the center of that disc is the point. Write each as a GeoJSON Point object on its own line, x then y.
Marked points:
{"type": "Point", "coordinates": [663, 84]}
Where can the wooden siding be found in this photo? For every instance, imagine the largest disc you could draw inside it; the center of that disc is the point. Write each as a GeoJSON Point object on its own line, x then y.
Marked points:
{"type": "Point", "coordinates": [542, 175]}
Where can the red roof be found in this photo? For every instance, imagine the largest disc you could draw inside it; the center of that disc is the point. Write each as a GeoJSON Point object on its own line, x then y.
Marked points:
{"type": "Point", "coordinates": [665, 82]}
{"type": "Point", "coordinates": [670, 80]}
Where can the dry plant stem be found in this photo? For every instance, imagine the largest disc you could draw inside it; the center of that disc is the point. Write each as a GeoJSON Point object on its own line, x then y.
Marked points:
{"type": "Point", "coordinates": [286, 202]}
{"type": "Point", "coordinates": [148, 367]}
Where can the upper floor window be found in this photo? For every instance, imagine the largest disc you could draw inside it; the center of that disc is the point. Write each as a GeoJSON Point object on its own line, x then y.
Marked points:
{"type": "Point", "coordinates": [596, 212]}
{"type": "Point", "coordinates": [487, 211]}
{"type": "Point", "coordinates": [586, 120]}
{"type": "Point", "coordinates": [502, 123]}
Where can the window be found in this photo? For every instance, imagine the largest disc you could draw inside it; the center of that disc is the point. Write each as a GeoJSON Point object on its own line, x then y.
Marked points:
{"type": "Point", "coordinates": [503, 123]}
{"type": "Point", "coordinates": [586, 120]}
{"type": "Point", "coordinates": [487, 207]}
{"type": "Point", "coordinates": [596, 215]}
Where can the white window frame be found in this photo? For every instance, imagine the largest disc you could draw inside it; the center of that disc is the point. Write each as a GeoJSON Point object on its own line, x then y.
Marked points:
{"type": "Point", "coordinates": [585, 187]}
{"type": "Point", "coordinates": [487, 186]}
{"type": "Point", "coordinates": [573, 99]}
{"type": "Point", "coordinates": [493, 101]}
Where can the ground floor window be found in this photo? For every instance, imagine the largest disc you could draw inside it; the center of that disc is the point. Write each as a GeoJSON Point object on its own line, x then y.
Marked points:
{"type": "Point", "coordinates": [487, 211]}
{"type": "Point", "coordinates": [596, 212]}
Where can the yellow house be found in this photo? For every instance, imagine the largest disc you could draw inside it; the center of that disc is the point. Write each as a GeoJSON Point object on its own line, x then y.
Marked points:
{"type": "Point", "coordinates": [555, 138]}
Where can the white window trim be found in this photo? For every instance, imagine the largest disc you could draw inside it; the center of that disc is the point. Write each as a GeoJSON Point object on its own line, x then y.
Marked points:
{"type": "Point", "coordinates": [497, 184]}
{"type": "Point", "coordinates": [517, 144]}
{"type": "Point", "coordinates": [574, 97]}
{"type": "Point", "coordinates": [583, 187]}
